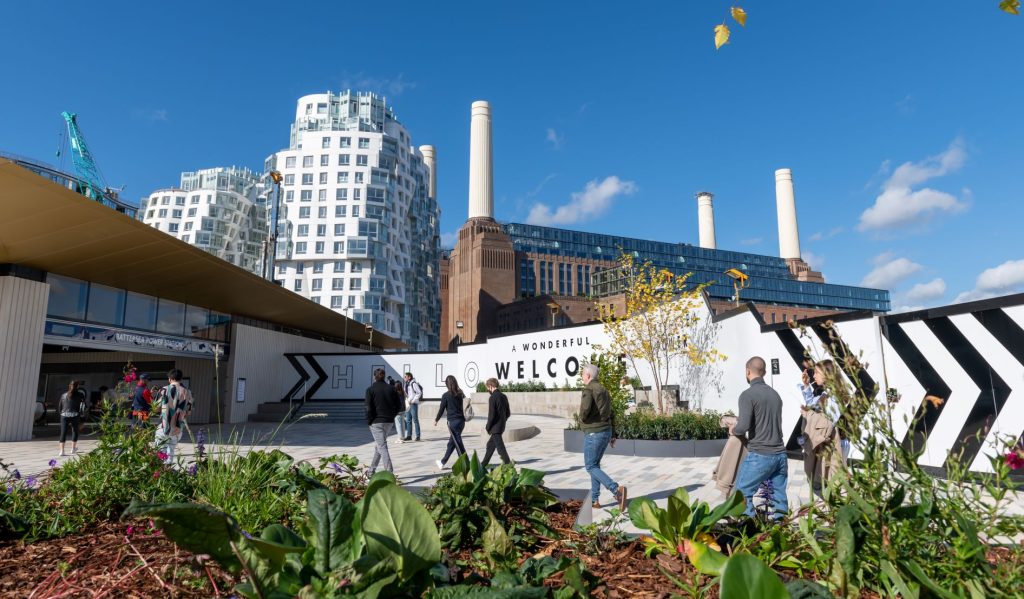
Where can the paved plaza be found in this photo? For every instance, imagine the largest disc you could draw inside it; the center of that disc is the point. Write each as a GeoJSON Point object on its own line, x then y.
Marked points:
{"type": "Point", "coordinates": [414, 461]}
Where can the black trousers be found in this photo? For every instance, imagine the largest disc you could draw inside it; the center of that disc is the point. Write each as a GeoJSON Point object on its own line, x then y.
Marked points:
{"type": "Point", "coordinates": [455, 428]}
{"type": "Point", "coordinates": [496, 442]}
{"type": "Point", "coordinates": [65, 422]}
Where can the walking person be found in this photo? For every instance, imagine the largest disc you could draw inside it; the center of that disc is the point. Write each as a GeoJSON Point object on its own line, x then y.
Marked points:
{"type": "Point", "coordinates": [498, 413]}
{"type": "Point", "coordinates": [597, 421]}
{"type": "Point", "coordinates": [452, 405]}
{"type": "Point", "coordinates": [71, 408]}
{"type": "Point", "coordinates": [825, 443]}
{"type": "Point", "coordinates": [382, 406]}
{"type": "Point", "coordinates": [760, 419]}
{"type": "Point", "coordinates": [400, 417]}
{"type": "Point", "coordinates": [142, 399]}
{"type": "Point", "coordinates": [175, 407]}
{"type": "Point", "coordinates": [413, 394]}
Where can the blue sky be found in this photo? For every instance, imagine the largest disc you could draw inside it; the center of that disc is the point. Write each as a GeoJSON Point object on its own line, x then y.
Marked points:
{"type": "Point", "coordinates": [901, 121]}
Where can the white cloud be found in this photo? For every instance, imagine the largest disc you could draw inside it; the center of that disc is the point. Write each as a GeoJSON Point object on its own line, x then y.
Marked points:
{"type": "Point", "coordinates": [823, 235]}
{"type": "Point", "coordinates": [925, 292]}
{"type": "Point", "coordinates": [448, 240]}
{"type": "Point", "coordinates": [385, 86]}
{"type": "Point", "coordinates": [752, 241]}
{"type": "Point", "coordinates": [1006, 278]}
{"type": "Point", "coordinates": [889, 271]}
{"type": "Point", "coordinates": [906, 105]}
{"type": "Point", "coordinates": [151, 114]}
{"type": "Point", "coordinates": [815, 261]}
{"type": "Point", "coordinates": [899, 204]}
{"type": "Point", "coordinates": [593, 201]}
{"type": "Point", "coordinates": [554, 138]}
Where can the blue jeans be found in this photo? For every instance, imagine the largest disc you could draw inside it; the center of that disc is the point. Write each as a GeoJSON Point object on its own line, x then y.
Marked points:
{"type": "Point", "coordinates": [594, 445]}
{"type": "Point", "coordinates": [412, 420]}
{"type": "Point", "coordinates": [759, 467]}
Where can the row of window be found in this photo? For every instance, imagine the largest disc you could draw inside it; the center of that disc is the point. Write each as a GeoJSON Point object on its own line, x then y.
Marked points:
{"type": "Point", "coordinates": [325, 142]}
{"type": "Point", "coordinates": [528, 286]}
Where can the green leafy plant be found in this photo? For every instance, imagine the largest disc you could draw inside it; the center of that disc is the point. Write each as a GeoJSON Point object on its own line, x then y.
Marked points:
{"type": "Point", "coordinates": [699, 426]}
{"type": "Point", "coordinates": [382, 546]}
{"type": "Point", "coordinates": [683, 528]}
{"type": "Point", "coordinates": [528, 582]}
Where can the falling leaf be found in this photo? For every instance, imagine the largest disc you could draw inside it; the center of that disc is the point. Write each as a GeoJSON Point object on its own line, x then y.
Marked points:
{"type": "Point", "coordinates": [721, 35]}
{"type": "Point", "coordinates": [935, 401]}
{"type": "Point", "coordinates": [740, 15]}
{"type": "Point", "coordinates": [1010, 6]}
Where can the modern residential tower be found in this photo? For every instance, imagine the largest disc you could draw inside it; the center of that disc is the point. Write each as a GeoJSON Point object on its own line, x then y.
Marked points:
{"type": "Point", "coordinates": [358, 220]}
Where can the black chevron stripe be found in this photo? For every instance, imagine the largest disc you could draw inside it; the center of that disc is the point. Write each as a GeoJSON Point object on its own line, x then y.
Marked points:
{"type": "Point", "coordinates": [321, 377]}
{"type": "Point", "coordinates": [846, 359]}
{"type": "Point", "coordinates": [797, 352]}
{"type": "Point", "coordinates": [1008, 333]}
{"type": "Point", "coordinates": [994, 390]}
{"type": "Point", "coordinates": [927, 413]}
{"type": "Point", "coordinates": [303, 376]}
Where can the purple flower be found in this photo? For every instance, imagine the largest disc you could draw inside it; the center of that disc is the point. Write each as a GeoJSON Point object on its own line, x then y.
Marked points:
{"type": "Point", "coordinates": [336, 467]}
{"type": "Point", "coordinates": [201, 443]}
{"type": "Point", "coordinates": [247, 535]}
{"type": "Point", "coordinates": [10, 489]}
{"type": "Point", "coordinates": [53, 463]}
{"type": "Point", "coordinates": [192, 470]}
{"type": "Point", "coordinates": [30, 482]}
{"type": "Point", "coordinates": [17, 475]}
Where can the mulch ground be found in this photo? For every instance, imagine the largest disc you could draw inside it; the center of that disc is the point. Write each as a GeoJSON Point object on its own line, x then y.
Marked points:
{"type": "Point", "coordinates": [106, 561]}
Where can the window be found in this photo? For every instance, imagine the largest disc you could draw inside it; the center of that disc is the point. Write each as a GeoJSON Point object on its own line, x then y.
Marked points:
{"type": "Point", "coordinates": [176, 213]}
{"type": "Point", "coordinates": [307, 161]}
{"type": "Point", "coordinates": [337, 283]}
{"type": "Point", "coordinates": [298, 285]}
{"type": "Point", "coordinates": [307, 179]}
{"type": "Point", "coordinates": [357, 267]}
{"type": "Point", "coordinates": [289, 162]}
{"type": "Point", "coordinates": [339, 266]}
{"type": "Point", "coordinates": [346, 142]}
{"type": "Point", "coordinates": [357, 193]}
{"type": "Point", "coordinates": [150, 214]}
{"type": "Point", "coordinates": [355, 209]}
{"type": "Point", "coordinates": [355, 284]}
{"type": "Point", "coordinates": [323, 178]}
{"type": "Point", "coordinates": [351, 301]}
{"type": "Point", "coordinates": [321, 230]}
{"type": "Point", "coordinates": [357, 247]}
{"type": "Point", "coordinates": [300, 268]}
{"type": "Point", "coordinates": [304, 212]}
{"type": "Point", "coordinates": [359, 177]}
{"type": "Point", "coordinates": [341, 194]}
{"type": "Point", "coordinates": [172, 228]}
{"type": "Point", "coordinates": [162, 213]}
{"type": "Point", "coordinates": [139, 311]}
{"type": "Point", "coordinates": [325, 143]}
{"type": "Point", "coordinates": [318, 267]}
{"type": "Point", "coordinates": [300, 247]}
{"type": "Point", "coordinates": [315, 299]}
{"type": "Point", "coordinates": [321, 212]}
{"type": "Point", "coordinates": [325, 159]}
{"type": "Point", "coordinates": [343, 160]}
{"type": "Point", "coordinates": [281, 269]}
{"type": "Point", "coordinates": [322, 195]}
{"type": "Point", "coordinates": [362, 160]}
{"type": "Point", "coordinates": [170, 317]}
{"type": "Point", "coordinates": [336, 301]}
{"type": "Point", "coordinates": [302, 231]}
{"type": "Point", "coordinates": [317, 284]}
{"type": "Point", "coordinates": [321, 108]}
{"type": "Point", "coordinates": [165, 201]}
{"type": "Point", "coordinates": [340, 210]}
{"type": "Point", "coordinates": [339, 247]}
{"type": "Point", "coordinates": [106, 304]}
{"type": "Point", "coordinates": [319, 248]}
{"type": "Point", "coordinates": [343, 177]}
{"type": "Point", "coordinates": [289, 179]}
{"type": "Point", "coordinates": [289, 195]}
{"type": "Point", "coordinates": [339, 229]}
{"type": "Point", "coordinates": [179, 201]}
{"type": "Point", "coordinates": [364, 143]}
{"type": "Point", "coordinates": [306, 195]}
{"type": "Point", "coordinates": [368, 229]}
{"type": "Point", "coordinates": [191, 211]}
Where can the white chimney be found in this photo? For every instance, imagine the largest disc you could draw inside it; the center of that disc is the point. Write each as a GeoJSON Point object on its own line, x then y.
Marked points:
{"type": "Point", "coordinates": [785, 203]}
{"type": "Point", "coordinates": [430, 160]}
{"type": "Point", "coordinates": [706, 220]}
{"type": "Point", "coordinates": [481, 183]}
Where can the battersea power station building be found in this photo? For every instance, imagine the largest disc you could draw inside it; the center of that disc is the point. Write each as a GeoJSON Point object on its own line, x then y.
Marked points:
{"type": "Point", "coordinates": [509, 277]}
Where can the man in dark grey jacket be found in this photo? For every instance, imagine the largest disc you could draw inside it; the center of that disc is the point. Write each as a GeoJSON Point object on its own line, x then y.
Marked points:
{"type": "Point", "coordinates": [760, 419]}
{"type": "Point", "coordinates": [498, 413]}
{"type": "Point", "coordinates": [382, 406]}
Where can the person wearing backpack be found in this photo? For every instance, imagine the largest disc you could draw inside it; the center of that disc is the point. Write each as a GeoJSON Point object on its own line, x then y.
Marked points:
{"type": "Point", "coordinates": [71, 408]}
{"type": "Point", "coordinates": [142, 399]}
{"type": "Point", "coordinates": [498, 413]}
{"type": "Point", "coordinates": [452, 403]}
{"type": "Point", "coordinates": [413, 395]}
{"type": "Point", "coordinates": [175, 406]}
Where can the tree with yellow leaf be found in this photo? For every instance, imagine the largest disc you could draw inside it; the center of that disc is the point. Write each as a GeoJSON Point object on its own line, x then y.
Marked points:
{"type": "Point", "coordinates": [662, 322]}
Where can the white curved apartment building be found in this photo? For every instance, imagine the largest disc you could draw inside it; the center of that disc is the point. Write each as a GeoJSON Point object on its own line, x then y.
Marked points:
{"type": "Point", "coordinates": [358, 225]}
{"type": "Point", "coordinates": [222, 210]}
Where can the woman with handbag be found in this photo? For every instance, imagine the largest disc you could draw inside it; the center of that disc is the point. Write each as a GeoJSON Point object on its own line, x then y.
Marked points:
{"type": "Point", "coordinates": [452, 404]}
{"type": "Point", "coordinates": [71, 408]}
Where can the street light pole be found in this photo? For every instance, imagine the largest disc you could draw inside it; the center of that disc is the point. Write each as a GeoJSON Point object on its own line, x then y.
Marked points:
{"type": "Point", "coordinates": [345, 310]}
{"type": "Point", "coordinates": [270, 245]}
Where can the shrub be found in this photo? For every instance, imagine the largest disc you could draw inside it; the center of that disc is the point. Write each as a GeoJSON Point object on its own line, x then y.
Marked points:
{"type": "Point", "coordinates": [681, 426]}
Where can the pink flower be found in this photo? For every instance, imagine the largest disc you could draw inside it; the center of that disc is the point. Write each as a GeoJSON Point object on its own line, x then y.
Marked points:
{"type": "Point", "coordinates": [162, 456]}
{"type": "Point", "coordinates": [129, 531]}
{"type": "Point", "coordinates": [1014, 460]}
{"type": "Point", "coordinates": [156, 474]}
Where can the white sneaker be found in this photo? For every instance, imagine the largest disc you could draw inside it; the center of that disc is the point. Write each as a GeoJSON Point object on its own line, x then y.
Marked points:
{"type": "Point", "coordinates": [61, 454]}
{"type": "Point", "coordinates": [440, 464]}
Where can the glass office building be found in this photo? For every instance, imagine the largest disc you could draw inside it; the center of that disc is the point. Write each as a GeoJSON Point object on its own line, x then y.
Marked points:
{"type": "Point", "coordinates": [771, 281]}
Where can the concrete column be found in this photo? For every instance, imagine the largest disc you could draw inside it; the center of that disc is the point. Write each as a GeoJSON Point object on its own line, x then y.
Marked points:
{"type": "Point", "coordinates": [706, 220]}
{"type": "Point", "coordinates": [430, 160]}
{"type": "Point", "coordinates": [22, 320]}
{"type": "Point", "coordinates": [785, 203]}
{"type": "Point", "coordinates": [481, 184]}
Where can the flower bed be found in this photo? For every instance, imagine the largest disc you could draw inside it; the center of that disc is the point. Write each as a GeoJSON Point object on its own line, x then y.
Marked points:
{"type": "Point", "coordinates": [680, 435]}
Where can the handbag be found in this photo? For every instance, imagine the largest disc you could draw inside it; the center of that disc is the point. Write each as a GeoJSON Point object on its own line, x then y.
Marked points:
{"type": "Point", "coordinates": [468, 410]}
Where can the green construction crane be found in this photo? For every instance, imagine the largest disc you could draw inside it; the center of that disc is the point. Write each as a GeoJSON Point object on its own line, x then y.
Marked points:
{"type": "Point", "coordinates": [85, 166]}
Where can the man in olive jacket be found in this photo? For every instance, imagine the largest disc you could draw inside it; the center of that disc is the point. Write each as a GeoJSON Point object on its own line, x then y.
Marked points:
{"type": "Point", "coordinates": [498, 413]}
{"type": "Point", "coordinates": [597, 423]}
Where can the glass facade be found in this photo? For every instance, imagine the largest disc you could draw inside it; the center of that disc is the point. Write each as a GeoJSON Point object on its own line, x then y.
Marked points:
{"type": "Point", "coordinates": [770, 279]}
{"type": "Point", "coordinates": [92, 303]}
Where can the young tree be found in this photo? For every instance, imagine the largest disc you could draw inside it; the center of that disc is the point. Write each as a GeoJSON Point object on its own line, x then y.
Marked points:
{"type": "Point", "coordinates": [660, 322]}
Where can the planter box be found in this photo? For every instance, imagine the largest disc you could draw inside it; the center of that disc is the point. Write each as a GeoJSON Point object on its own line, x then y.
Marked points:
{"type": "Point", "coordinates": [573, 442]}
{"type": "Point", "coordinates": [544, 403]}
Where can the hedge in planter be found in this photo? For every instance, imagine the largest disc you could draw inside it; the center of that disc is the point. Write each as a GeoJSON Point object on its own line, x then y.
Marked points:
{"type": "Point", "coordinates": [695, 426]}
